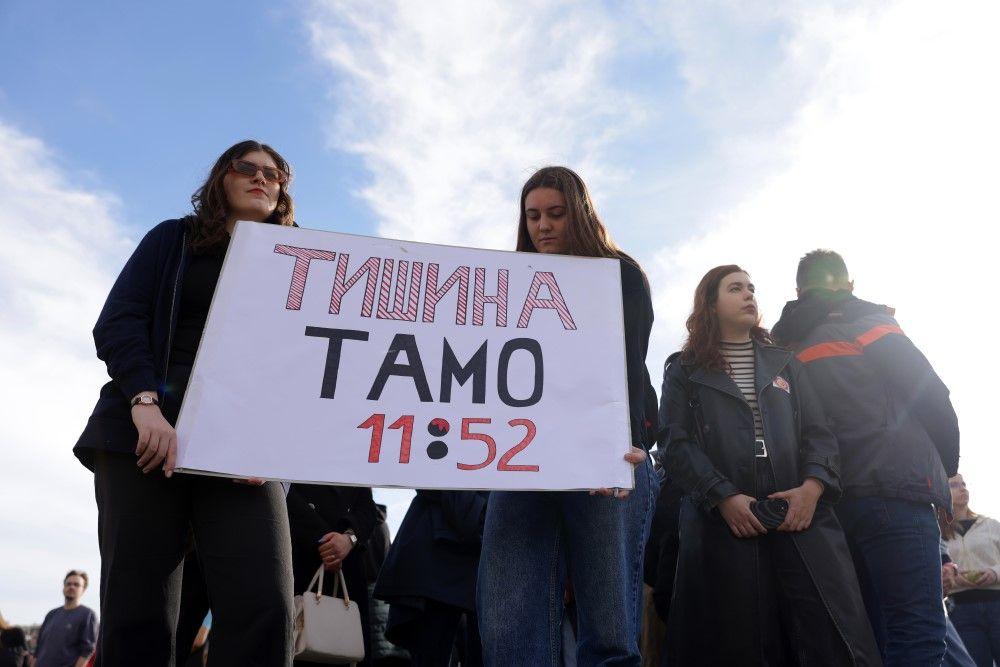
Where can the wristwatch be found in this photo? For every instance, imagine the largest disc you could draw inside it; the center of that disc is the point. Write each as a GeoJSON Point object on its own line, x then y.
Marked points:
{"type": "Point", "coordinates": [145, 399]}
{"type": "Point", "coordinates": [354, 538]}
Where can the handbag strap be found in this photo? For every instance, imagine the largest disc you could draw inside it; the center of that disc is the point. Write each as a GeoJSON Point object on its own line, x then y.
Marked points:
{"type": "Point", "coordinates": [338, 584]}
{"type": "Point", "coordinates": [341, 583]}
{"type": "Point", "coordinates": [312, 582]}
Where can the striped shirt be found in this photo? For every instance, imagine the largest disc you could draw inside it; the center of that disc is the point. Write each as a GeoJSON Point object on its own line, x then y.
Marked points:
{"type": "Point", "coordinates": [740, 358]}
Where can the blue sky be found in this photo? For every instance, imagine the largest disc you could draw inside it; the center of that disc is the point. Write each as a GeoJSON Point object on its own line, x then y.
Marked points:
{"type": "Point", "coordinates": [709, 133]}
{"type": "Point", "coordinates": [139, 98]}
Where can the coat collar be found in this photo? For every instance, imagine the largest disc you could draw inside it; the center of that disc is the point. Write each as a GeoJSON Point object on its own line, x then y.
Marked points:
{"type": "Point", "coordinates": [769, 361]}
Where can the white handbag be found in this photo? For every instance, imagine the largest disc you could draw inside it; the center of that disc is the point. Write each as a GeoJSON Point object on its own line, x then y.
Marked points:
{"type": "Point", "coordinates": [328, 629]}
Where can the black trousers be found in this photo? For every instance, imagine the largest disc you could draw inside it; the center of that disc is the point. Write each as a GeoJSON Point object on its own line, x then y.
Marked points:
{"type": "Point", "coordinates": [797, 628]}
{"type": "Point", "coordinates": [193, 608]}
{"type": "Point", "coordinates": [432, 630]}
{"type": "Point", "coordinates": [145, 523]}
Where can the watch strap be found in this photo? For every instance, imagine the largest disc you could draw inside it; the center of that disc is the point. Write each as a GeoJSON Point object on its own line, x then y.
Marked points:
{"type": "Point", "coordinates": [144, 400]}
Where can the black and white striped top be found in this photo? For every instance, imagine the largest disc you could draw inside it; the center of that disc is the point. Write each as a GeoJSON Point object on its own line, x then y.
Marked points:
{"type": "Point", "coordinates": [740, 358]}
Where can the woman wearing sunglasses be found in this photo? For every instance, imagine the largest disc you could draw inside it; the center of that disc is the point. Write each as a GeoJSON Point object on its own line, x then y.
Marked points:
{"type": "Point", "coordinates": [148, 333]}
{"type": "Point", "coordinates": [763, 575]}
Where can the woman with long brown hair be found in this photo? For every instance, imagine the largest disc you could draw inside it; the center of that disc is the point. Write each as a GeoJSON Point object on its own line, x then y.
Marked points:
{"type": "Point", "coordinates": [764, 575]}
{"type": "Point", "coordinates": [534, 541]}
{"type": "Point", "coordinates": [148, 334]}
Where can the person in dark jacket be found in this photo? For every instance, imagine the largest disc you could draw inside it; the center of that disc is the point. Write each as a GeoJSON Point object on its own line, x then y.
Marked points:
{"type": "Point", "coordinates": [660, 558]}
{"type": "Point", "coordinates": [899, 443]}
{"type": "Point", "coordinates": [429, 575]}
{"type": "Point", "coordinates": [13, 647]}
{"type": "Point", "coordinates": [534, 541]}
{"type": "Point", "coordinates": [330, 526]}
{"type": "Point", "coordinates": [148, 334]}
{"type": "Point", "coordinates": [742, 427]}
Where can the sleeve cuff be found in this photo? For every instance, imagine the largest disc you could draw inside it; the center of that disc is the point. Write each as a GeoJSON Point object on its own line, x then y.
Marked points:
{"type": "Point", "coordinates": [719, 492]}
{"type": "Point", "coordinates": [137, 380]}
{"type": "Point", "coordinates": [831, 483]}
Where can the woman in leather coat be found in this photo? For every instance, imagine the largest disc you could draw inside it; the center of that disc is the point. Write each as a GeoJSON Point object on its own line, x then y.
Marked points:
{"type": "Point", "coordinates": [742, 427]}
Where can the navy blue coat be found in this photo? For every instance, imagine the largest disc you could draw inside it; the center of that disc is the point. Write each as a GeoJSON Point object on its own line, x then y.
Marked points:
{"type": "Point", "coordinates": [891, 413]}
{"type": "Point", "coordinates": [436, 552]}
{"type": "Point", "coordinates": [317, 509]}
{"type": "Point", "coordinates": [133, 334]}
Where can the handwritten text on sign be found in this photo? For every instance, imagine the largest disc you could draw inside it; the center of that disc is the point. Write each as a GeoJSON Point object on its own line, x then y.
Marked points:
{"type": "Point", "coordinates": [355, 360]}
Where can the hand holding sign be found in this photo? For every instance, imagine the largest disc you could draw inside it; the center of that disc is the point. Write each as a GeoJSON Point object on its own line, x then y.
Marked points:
{"type": "Point", "coordinates": [327, 357]}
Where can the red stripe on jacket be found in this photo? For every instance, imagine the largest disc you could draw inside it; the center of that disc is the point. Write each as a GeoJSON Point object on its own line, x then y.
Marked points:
{"type": "Point", "coordinates": [847, 348]}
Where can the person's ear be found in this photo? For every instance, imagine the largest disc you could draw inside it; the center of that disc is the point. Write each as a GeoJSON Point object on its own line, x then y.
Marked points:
{"type": "Point", "coordinates": [850, 286]}
{"type": "Point", "coordinates": [798, 293]}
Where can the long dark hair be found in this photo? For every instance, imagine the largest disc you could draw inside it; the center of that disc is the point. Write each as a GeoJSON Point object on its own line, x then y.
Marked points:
{"type": "Point", "coordinates": [586, 234]}
{"type": "Point", "coordinates": [208, 223]}
{"type": "Point", "coordinates": [704, 334]}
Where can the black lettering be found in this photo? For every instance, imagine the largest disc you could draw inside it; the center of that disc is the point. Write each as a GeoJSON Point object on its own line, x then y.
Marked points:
{"type": "Point", "coordinates": [413, 368]}
{"type": "Point", "coordinates": [337, 338]}
{"type": "Point", "coordinates": [476, 369]}
{"type": "Point", "coordinates": [531, 346]}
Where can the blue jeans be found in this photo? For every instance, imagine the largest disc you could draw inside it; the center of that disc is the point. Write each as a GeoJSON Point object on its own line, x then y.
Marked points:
{"type": "Point", "coordinates": [895, 545]}
{"type": "Point", "coordinates": [532, 542]}
{"type": "Point", "coordinates": [956, 654]}
{"type": "Point", "coordinates": [978, 623]}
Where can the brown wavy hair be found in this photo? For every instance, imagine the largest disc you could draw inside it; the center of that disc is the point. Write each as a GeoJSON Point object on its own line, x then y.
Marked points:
{"type": "Point", "coordinates": [704, 333]}
{"type": "Point", "coordinates": [207, 224]}
{"type": "Point", "coordinates": [587, 235]}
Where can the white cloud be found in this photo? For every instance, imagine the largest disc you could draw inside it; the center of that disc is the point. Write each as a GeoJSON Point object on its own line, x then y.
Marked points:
{"type": "Point", "coordinates": [60, 245]}
{"type": "Point", "coordinates": [866, 127]}
{"type": "Point", "coordinates": [452, 105]}
{"type": "Point", "coordinates": [891, 159]}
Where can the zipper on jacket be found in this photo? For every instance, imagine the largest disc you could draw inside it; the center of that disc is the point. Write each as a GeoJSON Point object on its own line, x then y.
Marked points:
{"type": "Point", "coordinates": [173, 307]}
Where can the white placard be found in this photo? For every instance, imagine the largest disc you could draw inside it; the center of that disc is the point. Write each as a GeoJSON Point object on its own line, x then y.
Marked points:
{"type": "Point", "coordinates": [346, 359]}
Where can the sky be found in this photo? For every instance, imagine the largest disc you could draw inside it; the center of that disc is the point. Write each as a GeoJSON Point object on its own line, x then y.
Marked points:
{"type": "Point", "coordinates": [709, 133]}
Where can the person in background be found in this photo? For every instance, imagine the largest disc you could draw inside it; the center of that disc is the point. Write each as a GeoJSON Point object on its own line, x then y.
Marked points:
{"type": "Point", "coordinates": [194, 608]}
{"type": "Point", "coordinates": [330, 526]}
{"type": "Point", "coordinates": [899, 443]}
{"type": "Point", "coordinates": [69, 633]}
{"type": "Point", "coordinates": [743, 429]}
{"type": "Point", "coordinates": [955, 655]}
{"type": "Point", "coordinates": [148, 334]}
{"type": "Point", "coordinates": [13, 647]}
{"type": "Point", "coordinates": [973, 584]}
{"type": "Point", "coordinates": [429, 576]}
{"type": "Point", "coordinates": [534, 541]}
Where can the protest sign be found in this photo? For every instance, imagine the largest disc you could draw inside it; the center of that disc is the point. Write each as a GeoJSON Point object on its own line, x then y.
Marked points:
{"type": "Point", "coordinates": [346, 359]}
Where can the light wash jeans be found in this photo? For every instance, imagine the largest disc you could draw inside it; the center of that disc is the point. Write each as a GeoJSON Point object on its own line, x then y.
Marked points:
{"type": "Point", "coordinates": [533, 542]}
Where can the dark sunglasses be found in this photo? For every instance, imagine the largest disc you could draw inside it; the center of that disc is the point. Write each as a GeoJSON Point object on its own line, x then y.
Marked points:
{"type": "Point", "coordinates": [248, 168]}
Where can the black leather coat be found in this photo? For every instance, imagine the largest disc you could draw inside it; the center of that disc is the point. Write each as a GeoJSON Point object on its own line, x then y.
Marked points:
{"type": "Point", "coordinates": [709, 439]}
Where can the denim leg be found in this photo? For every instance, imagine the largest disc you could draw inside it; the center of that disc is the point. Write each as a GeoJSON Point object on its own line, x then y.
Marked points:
{"type": "Point", "coordinates": [970, 621]}
{"type": "Point", "coordinates": [991, 610]}
{"type": "Point", "coordinates": [956, 655]}
{"type": "Point", "coordinates": [605, 541]}
{"type": "Point", "coordinates": [522, 573]}
{"type": "Point", "coordinates": [898, 541]}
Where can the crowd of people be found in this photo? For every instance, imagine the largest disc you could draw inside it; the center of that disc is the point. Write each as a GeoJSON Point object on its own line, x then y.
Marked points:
{"type": "Point", "coordinates": [789, 486]}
